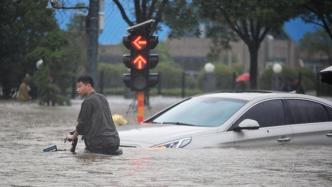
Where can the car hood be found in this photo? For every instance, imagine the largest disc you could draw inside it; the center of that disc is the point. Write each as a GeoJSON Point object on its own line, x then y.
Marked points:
{"type": "Point", "coordinates": [148, 135]}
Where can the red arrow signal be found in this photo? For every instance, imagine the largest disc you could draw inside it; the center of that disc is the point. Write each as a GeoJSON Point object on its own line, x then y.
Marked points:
{"type": "Point", "coordinates": [139, 62]}
{"type": "Point", "coordinates": [139, 43]}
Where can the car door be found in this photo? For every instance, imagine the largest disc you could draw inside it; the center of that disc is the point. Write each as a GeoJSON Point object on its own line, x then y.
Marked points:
{"type": "Point", "coordinates": [273, 129]}
{"type": "Point", "coordinates": [311, 122]}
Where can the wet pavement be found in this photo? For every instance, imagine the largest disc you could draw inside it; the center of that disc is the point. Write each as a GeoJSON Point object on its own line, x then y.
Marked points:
{"type": "Point", "coordinates": [26, 129]}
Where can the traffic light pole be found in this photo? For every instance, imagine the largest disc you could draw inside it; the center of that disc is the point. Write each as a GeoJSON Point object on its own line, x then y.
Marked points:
{"type": "Point", "coordinates": [140, 106]}
{"type": "Point", "coordinates": [140, 41]}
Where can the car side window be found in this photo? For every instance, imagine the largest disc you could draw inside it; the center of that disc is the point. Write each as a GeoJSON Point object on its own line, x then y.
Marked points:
{"type": "Point", "coordinates": [302, 111]}
{"type": "Point", "coordinates": [329, 111]}
{"type": "Point", "coordinates": [268, 113]}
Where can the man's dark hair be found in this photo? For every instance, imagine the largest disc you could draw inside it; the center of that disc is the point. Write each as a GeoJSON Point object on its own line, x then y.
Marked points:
{"type": "Point", "coordinates": [86, 79]}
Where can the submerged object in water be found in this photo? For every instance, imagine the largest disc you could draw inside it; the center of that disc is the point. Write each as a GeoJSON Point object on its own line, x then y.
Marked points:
{"type": "Point", "coordinates": [50, 148]}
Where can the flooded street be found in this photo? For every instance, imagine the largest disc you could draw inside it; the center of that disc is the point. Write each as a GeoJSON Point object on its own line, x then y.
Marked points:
{"type": "Point", "coordinates": [26, 129]}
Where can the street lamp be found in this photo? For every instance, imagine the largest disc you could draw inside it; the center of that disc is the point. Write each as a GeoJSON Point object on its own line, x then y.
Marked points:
{"type": "Point", "coordinates": [209, 67]}
{"type": "Point", "coordinates": [209, 84]}
{"type": "Point", "coordinates": [277, 69]}
{"type": "Point", "coordinates": [39, 63]}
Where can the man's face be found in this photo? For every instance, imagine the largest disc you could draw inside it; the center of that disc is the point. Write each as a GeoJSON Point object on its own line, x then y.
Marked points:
{"type": "Point", "coordinates": [82, 88]}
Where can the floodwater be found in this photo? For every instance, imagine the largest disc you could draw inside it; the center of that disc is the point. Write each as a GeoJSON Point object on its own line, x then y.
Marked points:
{"type": "Point", "coordinates": [26, 129]}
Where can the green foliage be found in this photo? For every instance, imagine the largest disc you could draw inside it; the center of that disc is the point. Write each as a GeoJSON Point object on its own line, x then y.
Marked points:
{"type": "Point", "coordinates": [48, 91]}
{"type": "Point", "coordinates": [315, 42]}
{"type": "Point", "coordinates": [178, 15]}
{"type": "Point", "coordinates": [224, 76]}
{"type": "Point", "coordinates": [181, 17]}
{"type": "Point", "coordinates": [115, 90]}
{"type": "Point", "coordinates": [288, 76]}
{"type": "Point", "coordinates": [308, 78]}
{"type": "Point", "coordinates": [76, 37]}
{"type": "Point", "coordinates": [23, 25]}
{"type": "Point", "coordinates": [177, 91]}
{"type": "Point", "coordinates": [162, 51]}
{"type": "Point", "coordinates": [56, 73]}
{"type": "Point", "coordinates": [112, 74]}
{"type": "Point", "coordinates": [265, 81]}
{"type": "Point", "coordinates": [317, 12]}
{"type": "Point", "coordinates": [250, 20]}
{"type": "Point", "coordinates": [170, 75]}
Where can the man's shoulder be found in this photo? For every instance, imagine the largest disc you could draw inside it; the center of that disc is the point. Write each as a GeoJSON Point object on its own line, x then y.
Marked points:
{"type": "Point", "coordinates": [94, 96]}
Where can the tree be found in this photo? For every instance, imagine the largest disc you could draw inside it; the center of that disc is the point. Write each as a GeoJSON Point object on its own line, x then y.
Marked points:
{"type": "Point", "coordinates": [23, 25]}
{"type": "Point", "coordinates": [177, 14]}
{"type": "Point", "coordinates": [317, 42]}
{"type": "Point", "coordinates": [55, 75]}
{"type": "Point", "coordinates": [63, 60]}
{"type": "Point", "coordinates": [318, 12]}
{"type": "Point", "coordinates": [76, 36]}
{"type": "Point", "coordinates": [250, 20]}
{"type": "Point", "coordinates": [221, 36]}
{"type": "Point", "coordinates": [92, 31]}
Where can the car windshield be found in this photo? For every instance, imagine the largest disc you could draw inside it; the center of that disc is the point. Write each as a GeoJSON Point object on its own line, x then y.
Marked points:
{"type": "Point", "coordinates": [201, 111]}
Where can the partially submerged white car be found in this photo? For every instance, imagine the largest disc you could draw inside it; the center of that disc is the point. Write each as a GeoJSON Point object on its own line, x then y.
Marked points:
{"type": "Point", "coordinates": [236, 119]}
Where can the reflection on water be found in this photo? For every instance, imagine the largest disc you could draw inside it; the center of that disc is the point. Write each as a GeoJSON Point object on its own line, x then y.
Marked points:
{"type": "Point", "coordinates": [27, 129]}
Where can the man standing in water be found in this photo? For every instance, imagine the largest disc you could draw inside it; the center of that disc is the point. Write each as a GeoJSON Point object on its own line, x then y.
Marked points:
{"type": "Point", "coordinates": [95, 121]}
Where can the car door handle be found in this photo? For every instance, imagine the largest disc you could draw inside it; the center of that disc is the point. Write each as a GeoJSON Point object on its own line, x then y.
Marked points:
{"type": "Point", "coordinates": [329, 134]}
{"type": "Point", "coordinates": [284, 139]}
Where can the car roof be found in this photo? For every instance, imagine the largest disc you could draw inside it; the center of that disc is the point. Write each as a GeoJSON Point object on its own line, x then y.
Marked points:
{"type": "Point", "coordinates": [230, 95]}
{"type": "Point", "coordinates": [250, 96]}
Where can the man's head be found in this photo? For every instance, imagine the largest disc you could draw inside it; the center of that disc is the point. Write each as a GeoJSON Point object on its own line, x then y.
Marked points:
{"type": "Point", "coordinates": [84, 85]}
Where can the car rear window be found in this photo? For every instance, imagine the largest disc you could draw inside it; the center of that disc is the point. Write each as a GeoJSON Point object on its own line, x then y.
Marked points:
{"type": "Point", "coordinates": [303, 111]}
{"type": "Point", "coordinates": [329, 111]}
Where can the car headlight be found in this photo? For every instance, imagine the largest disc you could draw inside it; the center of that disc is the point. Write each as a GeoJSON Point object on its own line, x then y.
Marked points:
{"type": "Point", "coordinates": [180, 143]}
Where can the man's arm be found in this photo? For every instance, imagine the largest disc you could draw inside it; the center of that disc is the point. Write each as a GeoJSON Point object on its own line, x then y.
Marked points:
{"type": "Point", "coordinates": [84, 118]}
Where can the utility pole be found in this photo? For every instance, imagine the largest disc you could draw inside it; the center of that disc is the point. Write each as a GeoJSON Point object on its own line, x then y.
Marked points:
{"type": "Point", "coordinates": [92, 31]}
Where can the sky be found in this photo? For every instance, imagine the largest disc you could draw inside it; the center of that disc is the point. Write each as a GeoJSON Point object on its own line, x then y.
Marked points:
{"type": "Point", "coordinates": [115, 28]}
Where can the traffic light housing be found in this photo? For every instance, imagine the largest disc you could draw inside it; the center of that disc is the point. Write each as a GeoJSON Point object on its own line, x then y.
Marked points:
{"type": "Point", "coordinates": [140, 61]}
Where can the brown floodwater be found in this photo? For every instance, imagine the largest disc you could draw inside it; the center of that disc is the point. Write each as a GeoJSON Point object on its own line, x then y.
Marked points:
{"type": "Point", "coordinates": [26, 129]}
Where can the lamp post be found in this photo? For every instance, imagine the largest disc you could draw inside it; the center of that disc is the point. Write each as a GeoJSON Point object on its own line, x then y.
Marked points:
{"type": "Point", "coordinates": [277, 69]}
{"type": "Point", "coordinates": [270, 39]}
{"type": "Point", "coordinates": [209, 84]}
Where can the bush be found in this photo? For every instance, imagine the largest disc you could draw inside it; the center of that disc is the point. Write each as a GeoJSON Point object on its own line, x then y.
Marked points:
{"type": "Point", "coordinates": [112, 74]}
{"type": "Point", "coordinates": [48, 91]}
{"type": "Point", "coordinates": [288, 76]}
{"type": "Point", "coordinates": [176, 92]}
{"type": "Point", "coordinates": [171, 75]}
{"type": "Point", "coordinates": [224, 76]}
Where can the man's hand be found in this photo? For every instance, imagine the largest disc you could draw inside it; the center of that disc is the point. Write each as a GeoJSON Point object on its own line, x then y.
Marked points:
{"type": "Point", "coordinates": [72, 136]}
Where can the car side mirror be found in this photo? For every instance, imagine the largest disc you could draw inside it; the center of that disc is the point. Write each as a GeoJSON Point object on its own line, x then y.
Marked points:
{"type": "Point", "coordinates": [247, 124]}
